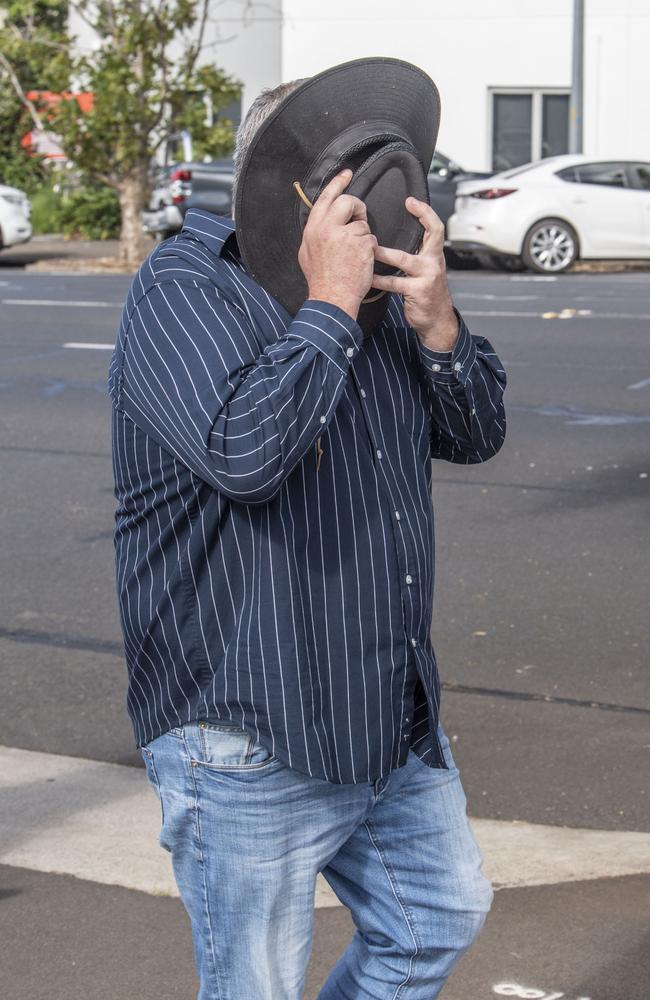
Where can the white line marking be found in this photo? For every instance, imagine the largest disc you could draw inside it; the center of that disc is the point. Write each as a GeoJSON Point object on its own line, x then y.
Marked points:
{"type": "Point", "coordinates": [494, 296]}
{"type": "Point", "coordinates": [101, 822]}
{"type": "Point", "coordinates": [81, 303]}
{"type": "Point", "coordinates": [535, 315]}
{"type": "Point", "coordinates": [79, 346]}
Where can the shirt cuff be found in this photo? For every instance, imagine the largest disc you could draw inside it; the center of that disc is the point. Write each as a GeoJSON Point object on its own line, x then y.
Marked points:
{"type": "Point", "coordinates": [450, 366]}
{"type": "Point", "coordinates": [330, 329]}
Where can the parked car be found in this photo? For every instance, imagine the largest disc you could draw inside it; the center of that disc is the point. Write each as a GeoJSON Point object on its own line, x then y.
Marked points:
{"type": "Point", "coordinates": [15, 210]}
{"type": "Point", "coordinates": [546, 215]}
{"type": "Point", "coordinates": [181, 182]}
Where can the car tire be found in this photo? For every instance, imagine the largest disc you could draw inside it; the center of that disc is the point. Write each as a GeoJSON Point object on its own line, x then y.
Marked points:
{"type": "Point", "coordinates": [460, 261]}
{"type": "Point", "coordinates": [550, 246]}
{"type": "Point", "coordinates": [503, 262]}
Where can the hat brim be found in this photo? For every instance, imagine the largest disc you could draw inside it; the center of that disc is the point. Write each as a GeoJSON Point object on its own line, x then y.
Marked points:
{"type": "Point", "coordinates": [288, 143]}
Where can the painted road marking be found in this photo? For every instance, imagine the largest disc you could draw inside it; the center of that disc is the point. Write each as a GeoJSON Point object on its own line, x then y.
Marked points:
{"type": "Point", "coordinates": [101, 822]}
{"type": "Point", "coordinates": [81, 346]}
{"type": "Point", "coordinates": [81, 303]}
{"type": "Point", "coordinates": [528, 992]}
{"type": "Point", "coordinates": [494, 296]}
{"type": "Point", "coordinates": [567, 314]}
{"type": "Point", "coordinates": [578, 313]}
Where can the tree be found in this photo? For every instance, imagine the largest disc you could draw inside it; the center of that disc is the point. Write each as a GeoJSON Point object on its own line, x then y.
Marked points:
{"type": "Point", "coordinates": [33, 49]}
{"type": "Point", "coordinates": [147, 80]}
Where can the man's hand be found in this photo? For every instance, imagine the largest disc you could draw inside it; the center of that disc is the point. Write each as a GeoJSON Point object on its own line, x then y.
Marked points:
{"type": "Point", "coordinates": [427, 303]}
{"type": "Point", "coordinates": [337, 253]}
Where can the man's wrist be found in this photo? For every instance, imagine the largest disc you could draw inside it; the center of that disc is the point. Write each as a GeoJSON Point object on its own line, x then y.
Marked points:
{"type": "Point", "coordinates": [348, 303]}
{"type": "Point", "coordinates": [443, 335]}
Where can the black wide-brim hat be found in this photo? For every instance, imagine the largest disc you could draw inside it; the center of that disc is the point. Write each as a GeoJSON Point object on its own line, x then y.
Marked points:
{"type": "Point", "coordinates": [378, 116]}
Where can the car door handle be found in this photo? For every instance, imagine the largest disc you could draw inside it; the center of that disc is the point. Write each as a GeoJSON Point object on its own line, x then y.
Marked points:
{"type": "Point", "coordinates": [579, 201]}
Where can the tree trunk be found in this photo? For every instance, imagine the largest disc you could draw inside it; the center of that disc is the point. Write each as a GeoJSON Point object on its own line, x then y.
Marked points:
{"type": "Point", "coordinates": [134, 242]}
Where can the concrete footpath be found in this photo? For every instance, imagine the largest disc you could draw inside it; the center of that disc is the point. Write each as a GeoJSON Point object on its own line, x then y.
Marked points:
{"type": "Point", "coordinates": [90, 907]}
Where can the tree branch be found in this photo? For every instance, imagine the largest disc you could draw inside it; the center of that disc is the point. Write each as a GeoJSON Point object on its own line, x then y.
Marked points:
{"type": "Point", "coordinates": [22, 96]}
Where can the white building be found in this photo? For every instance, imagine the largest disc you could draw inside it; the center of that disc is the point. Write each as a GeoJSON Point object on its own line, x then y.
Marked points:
{"type": "Point", "coordinates": [503, 67]}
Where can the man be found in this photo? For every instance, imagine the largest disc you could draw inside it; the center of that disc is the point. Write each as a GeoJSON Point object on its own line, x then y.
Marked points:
{"type": "Point", "coordinates": [274, 543]}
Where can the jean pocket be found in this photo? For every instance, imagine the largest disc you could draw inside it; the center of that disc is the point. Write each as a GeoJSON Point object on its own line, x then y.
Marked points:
{"type": "Point", "coordinates": [228, 748]}
{"type": "Point", "coordinates": [445, 746]}
{"type": "Point", "coordinates": [152, 776]}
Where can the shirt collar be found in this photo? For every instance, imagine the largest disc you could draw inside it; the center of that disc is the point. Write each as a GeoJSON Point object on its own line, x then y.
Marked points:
{"type": "Point", "coordinates": [211, 230]}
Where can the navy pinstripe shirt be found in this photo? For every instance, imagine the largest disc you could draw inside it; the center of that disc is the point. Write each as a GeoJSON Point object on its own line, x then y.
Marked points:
{"type": "Point", "coordinates": [274, 528]}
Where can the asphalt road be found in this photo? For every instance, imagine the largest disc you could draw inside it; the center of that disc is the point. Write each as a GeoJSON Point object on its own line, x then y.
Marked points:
{"type": "Point", "coordinates": [541, 615]}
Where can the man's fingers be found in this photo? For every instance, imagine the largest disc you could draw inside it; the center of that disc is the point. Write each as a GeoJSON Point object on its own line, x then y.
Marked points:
{"type": "Point", "coordinates": [347, 208]}
{"type": "Point", "coordinates": [432, 223]}
{"type": "Point", "coordinates": [393, 283]}
{"type": "Point", "coordinates": [331, 191]}
{"type": "Point", "coordinates": [359, 227]}
{"type": "Point", "coordinates": [408, 262]}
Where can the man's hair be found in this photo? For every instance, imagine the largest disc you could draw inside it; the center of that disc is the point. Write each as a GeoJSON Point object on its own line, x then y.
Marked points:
{"type": "Point", "coordinates": [264, 104]}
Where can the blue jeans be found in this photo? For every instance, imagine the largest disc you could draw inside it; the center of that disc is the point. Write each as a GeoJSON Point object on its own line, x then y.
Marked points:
{"type": "Point", "coordinates": [248, 836]}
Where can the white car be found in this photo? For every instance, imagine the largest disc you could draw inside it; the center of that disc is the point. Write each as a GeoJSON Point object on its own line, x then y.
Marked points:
{"type": "Point", "coordinates": [15, 210]}
{"type": "Point", "coordinates": [547, 214]}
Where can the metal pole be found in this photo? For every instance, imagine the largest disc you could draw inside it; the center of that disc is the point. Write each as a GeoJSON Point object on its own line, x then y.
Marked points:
{"type": "Point", "coordinates": [577, 73]}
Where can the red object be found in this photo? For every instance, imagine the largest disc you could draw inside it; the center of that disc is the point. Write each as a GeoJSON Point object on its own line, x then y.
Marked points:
{"type": "Point", "coordinates": [489, 193]}
{"type": "Point", "coordinates": [181, 185]}
{"type": "Point", "coordinates": [46, 144]}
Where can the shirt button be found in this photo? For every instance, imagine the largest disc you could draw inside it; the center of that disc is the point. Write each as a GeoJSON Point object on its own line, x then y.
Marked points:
{"type": "Point", "coordinates": [457, 366]}
{"type": "Point", "coordinates": [322, 420]}
{"type": "Point", "coordinates": [406, 718]}
{"type": "Point", "coordinates": [363, 392]}
{"type": "Point", "coordinates": [435, 366]}
{"type": "Point", "coordinates": [397, 515]}
{"type": "Point", "coordinates": [379, 454]}
{"type": "Point", "coordinates": [350, 351]}
{"type": "Point", "coordinates": [414, 642]}
{"type": "Point", "coordinates": [409, 578]}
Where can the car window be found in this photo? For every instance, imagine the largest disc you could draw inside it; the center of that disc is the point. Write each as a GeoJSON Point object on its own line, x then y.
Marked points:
{"type": "Point", "coordinates": [608, 174]}
{"type": "Point", "coordinates": [439, 165]}
{"type": "Point", "coordinates": [643, 174]}
{"type": "Point", "coordinates": [568, 174]}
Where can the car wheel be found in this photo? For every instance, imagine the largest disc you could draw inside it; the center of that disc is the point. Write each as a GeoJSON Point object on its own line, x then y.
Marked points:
{"type": "Point", "coordinates": [550, 246]}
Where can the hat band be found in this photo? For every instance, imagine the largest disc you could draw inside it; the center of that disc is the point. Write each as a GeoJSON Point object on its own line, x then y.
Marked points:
{"type": "Point", "coordinates": [349, 149]}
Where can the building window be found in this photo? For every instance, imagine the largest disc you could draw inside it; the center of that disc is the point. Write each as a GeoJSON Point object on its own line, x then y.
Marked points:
{"type": "Point", "coordinates": [528, 125]}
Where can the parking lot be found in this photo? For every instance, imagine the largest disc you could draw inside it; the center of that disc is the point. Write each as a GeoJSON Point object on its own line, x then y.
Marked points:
{"type": "Point", "coordinates": [541, 627]}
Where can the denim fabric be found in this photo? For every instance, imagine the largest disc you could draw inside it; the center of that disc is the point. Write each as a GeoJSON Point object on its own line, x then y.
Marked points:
{"type": "Point", "coordinates": [248, 835]}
